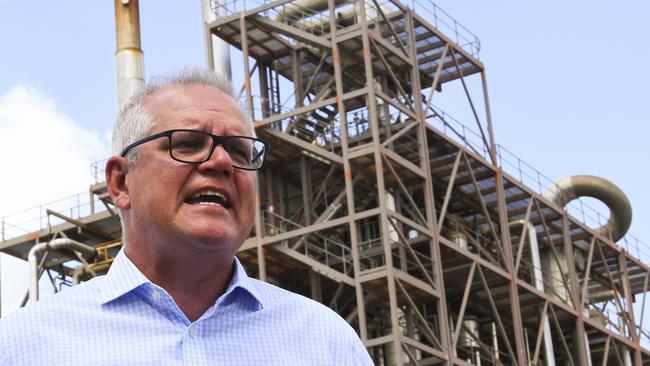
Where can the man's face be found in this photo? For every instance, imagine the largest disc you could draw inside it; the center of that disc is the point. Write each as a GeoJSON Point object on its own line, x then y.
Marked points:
{"type": "Point", "coordinates": [163, 192]}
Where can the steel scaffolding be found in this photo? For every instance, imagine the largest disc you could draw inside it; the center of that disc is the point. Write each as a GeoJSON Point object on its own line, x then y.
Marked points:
{"type": "Point", "coordinates": [378, 204]}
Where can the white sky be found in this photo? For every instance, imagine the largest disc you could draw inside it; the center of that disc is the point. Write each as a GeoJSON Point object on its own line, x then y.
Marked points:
{"type": "Point", "coordinates": [568, 89]}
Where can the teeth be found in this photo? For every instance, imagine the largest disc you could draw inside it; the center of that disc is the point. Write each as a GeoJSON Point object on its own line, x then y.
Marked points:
{"type": "Point", "coordinates": [208, 192]}
{"type": "Point", "coordinates": [203, 198]}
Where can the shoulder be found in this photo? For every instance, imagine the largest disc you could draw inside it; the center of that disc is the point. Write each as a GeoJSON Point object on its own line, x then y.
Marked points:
{"type": "Point", "coordinates": [315, 325]}
{"type": "Point", "coordinates": [276, 298]}
{"type": "Point", "coordinates": [85, 294]}
{"type": "Point", "coordinates": [301, 310]}
{"type": "Point", "coordinates": [29, 326]}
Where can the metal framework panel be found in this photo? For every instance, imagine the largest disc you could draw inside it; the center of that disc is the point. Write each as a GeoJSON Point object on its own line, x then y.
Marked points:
{"type": "Point", "coordinates": [378, 204]}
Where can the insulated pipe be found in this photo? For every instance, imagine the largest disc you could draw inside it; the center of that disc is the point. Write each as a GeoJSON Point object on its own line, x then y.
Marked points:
{"type": "Point", "coordinates": [56, 244]}
{"type": "Point", "coordinates": [346, 18]}
{"type": "Point", "coordinates": [129, 59]}
{"type": "Point", "coordinates": [218, 51]}
{"type": "Point", "coordinates": [572, 187]}
{"type": "Point", "coordinates": [495, 342]}
{"type": "Point", "coordinates": [296, 8]}
{"type": "Point", "coordinates": [538, 278]}
{"type": "Point", "coordinates": [81, 271]}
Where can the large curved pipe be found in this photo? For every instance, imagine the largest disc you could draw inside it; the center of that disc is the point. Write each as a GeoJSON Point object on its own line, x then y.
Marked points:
{"type": "Point", "coordinates": [56, 244]}
{"type": "Point", "coordinates": [572, 187]}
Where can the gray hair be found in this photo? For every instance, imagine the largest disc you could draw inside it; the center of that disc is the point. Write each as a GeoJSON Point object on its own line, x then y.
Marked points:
{"type": "Point", "coordinates": [133, 122]}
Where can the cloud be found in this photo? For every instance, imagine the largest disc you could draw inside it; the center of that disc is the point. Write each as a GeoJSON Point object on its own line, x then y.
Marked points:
{"type": "Point", "coordinates": [44, 156]}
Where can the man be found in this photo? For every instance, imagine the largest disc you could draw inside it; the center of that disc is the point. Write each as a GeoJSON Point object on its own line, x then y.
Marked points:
{"type": "Point", "coordinates": [183, 177]}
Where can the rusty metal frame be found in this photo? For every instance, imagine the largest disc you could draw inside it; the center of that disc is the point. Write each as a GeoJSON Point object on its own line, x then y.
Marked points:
{"type": "Point", "coordinates": [435, 189]}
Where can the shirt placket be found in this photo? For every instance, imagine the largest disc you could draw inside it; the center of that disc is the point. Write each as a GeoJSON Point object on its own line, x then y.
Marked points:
{"type": "Point", "coordinates": [194, 352]}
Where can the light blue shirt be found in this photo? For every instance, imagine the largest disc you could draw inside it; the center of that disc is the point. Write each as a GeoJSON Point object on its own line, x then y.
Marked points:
{"type": "Point", "coordinates": [124, 319]}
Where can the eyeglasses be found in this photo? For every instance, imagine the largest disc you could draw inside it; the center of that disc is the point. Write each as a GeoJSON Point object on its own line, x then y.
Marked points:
{"type": "Point", "coordinates": [195, 147]}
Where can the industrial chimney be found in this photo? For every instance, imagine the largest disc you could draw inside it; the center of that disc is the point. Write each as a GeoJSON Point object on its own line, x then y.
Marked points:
{"type": "Point", "coordinates": [129, 62]}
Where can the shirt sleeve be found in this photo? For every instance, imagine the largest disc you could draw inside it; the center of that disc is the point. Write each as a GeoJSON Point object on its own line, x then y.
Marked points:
{"type": "Point", "coordinates": [359, 355]}
{"type": "Point", "coordinates": [4, 353]}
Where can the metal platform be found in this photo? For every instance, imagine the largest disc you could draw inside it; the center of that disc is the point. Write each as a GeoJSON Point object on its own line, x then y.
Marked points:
{"type": "Point", "coordinates": [381, 206]}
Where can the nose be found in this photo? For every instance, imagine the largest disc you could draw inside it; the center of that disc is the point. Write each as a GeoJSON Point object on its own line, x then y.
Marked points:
{"type": "Point", "coordinates": [219, 162]}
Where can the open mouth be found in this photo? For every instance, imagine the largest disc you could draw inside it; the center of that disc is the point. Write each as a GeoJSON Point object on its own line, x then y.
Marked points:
{"type": "Point", "coordinates": [209, 197]}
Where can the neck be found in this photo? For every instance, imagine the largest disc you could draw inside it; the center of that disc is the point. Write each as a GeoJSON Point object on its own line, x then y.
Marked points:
{"type": "Point", "coordinates": [193, 280]}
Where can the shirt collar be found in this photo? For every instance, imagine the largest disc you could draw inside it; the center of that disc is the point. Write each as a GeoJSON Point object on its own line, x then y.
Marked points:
{"type": "Point", "coordinates": [240, 280]}
{"type": "Point", "coordinates": [124, 277]}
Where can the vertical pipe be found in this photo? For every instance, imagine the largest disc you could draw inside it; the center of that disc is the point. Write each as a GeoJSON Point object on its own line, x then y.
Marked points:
{"type": "Point", "coordinates": [32, 259]}
{"type": "Point", "coordinates": [264, 89]}
{"type": "Point", "coordinates": [584, 353]}
{"type": "Point", "coordinates": [315, 285]}
{"type": "Point", "coordinates": [305, 177]}
{"type": "Point", "coordinates": [261, 261]}
{"type": "Point", "coordinates": [270, 203]}
{"type": "Point", "coordinates": [495, 342]}
{"type": "Point", "coordinates": [217, 51]}
{"type": "Point", "coordinates": [92, 202]}
{"type": "Point", "coordinates": [538, 278]}
{"type": "Point", "coordinates": [129, 59]}
{"type": "Point", "coordinates": [297, 77]}
{"type": "Point", "coordinates": [247, 69]}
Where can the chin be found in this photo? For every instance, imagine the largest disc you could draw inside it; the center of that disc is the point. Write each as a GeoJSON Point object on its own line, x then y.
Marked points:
{"type": "Point", "coordinates": [215, 240]}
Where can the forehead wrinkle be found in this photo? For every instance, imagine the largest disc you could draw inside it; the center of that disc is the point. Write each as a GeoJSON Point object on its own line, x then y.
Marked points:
{"type": "Point", "coordinates": [173, 95]}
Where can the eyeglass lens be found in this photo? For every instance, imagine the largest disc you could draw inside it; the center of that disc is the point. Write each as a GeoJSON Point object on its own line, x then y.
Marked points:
{"type": "Point", "coordinates": [195, 146]}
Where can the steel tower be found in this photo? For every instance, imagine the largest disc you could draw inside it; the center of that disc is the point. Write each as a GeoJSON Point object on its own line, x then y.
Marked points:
{"type": "Point", "coordinates": [434, 242]}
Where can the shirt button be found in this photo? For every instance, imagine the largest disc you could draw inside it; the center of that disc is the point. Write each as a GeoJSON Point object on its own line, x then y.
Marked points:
{"type": "Point", "coordinates": [192, 332]}
{"type": "Point", "coordinates": [155, 295]}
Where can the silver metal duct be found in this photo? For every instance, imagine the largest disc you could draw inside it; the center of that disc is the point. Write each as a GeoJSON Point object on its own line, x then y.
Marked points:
{"type": "Point", "coordinates": [311, 15]}
{"type": "Point", "coordinates": [555, 271]}
{"type": "Point", "coordinates": [538, 279]}
{"type": "Point", "coordinates": [569, 188]}
{"type": "Point", "coordinates": [469, 333]}
{"type": "Point", "coordinates": [298, 9]}
{"type": "Point", "coordinates": [458, 238]}
{"type": "Point", "coordinates": [82, 271]}
{"type": "Point", "coordinates": [572, 187]}
{"type": "Point", "coordinates": [56, 244]}
{"type": "Point", "coordinates": [217, 50]}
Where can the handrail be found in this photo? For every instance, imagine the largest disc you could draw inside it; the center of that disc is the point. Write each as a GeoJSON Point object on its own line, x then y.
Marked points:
{"type": "Point", "coordinates": [443, 21]}
{"type": "Point", "coordinates": [426, 8]}
{"type": "Point", "coordinates": [75, 206]}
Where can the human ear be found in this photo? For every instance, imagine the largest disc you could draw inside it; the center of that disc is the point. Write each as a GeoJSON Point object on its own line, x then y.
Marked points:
{"type": "Point", "coordinates": [117, 169]}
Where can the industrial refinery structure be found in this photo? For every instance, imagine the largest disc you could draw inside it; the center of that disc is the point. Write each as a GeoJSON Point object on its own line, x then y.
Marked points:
{"type": "Point", "coordinates": [436, 244]}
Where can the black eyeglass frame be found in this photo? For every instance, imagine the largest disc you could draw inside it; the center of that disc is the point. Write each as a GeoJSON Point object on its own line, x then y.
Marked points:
{"type": "Point", "coordinates": [216, 141]}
